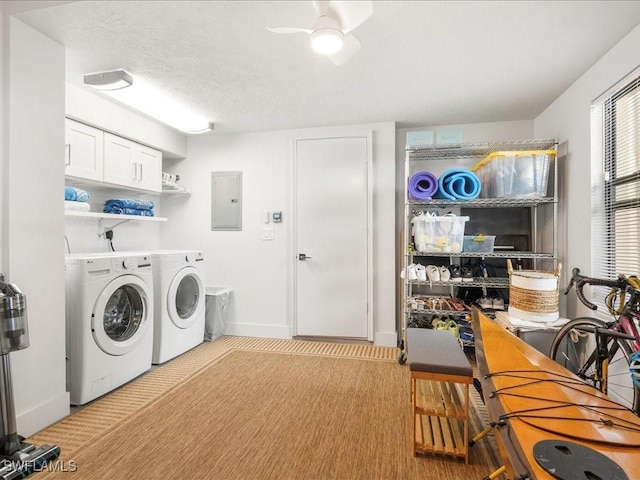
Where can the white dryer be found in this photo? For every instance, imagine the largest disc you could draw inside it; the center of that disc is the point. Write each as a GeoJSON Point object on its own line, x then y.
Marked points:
{"type": "Point", "coordinates": [109, 321]}
{"type": "Point", "coordinates": [179, 292]}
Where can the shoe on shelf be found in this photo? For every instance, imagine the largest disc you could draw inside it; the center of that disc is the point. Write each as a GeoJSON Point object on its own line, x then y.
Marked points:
{"type": "Point", "coordinates": [454, 273]}
{"type": "Point", "coordinates": [433, 273]}
{"type": "Point", "coordinates": [466, 335]}
{"type": "Point", "coordinates": [453, 328]}
{"type": "Point", "coordinates": [445, 274]}
{"type": "Point", "coordinates": [485, 302]}
{"type": "Point", "coordinates": [421, 273]}
{"type": "Point", "coordinates": [467, 274]}
{"type": "Point", "coordinates": [442, 325]}
{"type": "Point", "coordinates": [435, 321]}
{"type": "Point", "coordinates": [411, 272]}
{"type": "Point", "coordinates": [498, 304]}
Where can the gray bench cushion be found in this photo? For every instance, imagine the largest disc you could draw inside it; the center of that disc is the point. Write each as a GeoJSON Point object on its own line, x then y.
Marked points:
{"type": "Point", "coordinates": [436, 351]}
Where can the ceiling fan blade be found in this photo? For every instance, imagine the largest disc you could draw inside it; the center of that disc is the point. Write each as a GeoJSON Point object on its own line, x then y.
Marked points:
{"type": "Point", "coordinates": [288, 30]}
{"type": "Point", "coordinates": [321, 6]}
{"type": "Point", "coordinates": [350, 47]}
{"type": "Point", "coordinates": [352, 14]}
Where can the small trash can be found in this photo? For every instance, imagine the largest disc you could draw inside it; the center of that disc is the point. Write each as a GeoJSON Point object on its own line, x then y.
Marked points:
{"type": "Point", "coordinates": [216, 312]}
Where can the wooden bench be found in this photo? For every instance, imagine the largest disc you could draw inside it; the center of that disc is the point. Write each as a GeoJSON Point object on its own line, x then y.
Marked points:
{"type": "Point", "coordinates": [440, 412]}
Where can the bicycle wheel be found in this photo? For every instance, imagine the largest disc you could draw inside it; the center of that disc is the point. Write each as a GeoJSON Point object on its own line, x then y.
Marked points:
{"type": "Point", "coordinates": [574, 347]}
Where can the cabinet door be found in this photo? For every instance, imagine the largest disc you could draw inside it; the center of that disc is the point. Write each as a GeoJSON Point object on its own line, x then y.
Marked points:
{"type": "Point", "coordinates": [148, 164]}
{"type": "Point", "coordinates": [84, 151]}
{"type": "Point", "coordinates": [119, 167]}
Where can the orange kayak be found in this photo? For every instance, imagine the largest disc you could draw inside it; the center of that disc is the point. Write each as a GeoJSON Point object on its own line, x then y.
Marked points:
{"type": "Point", "coordinates": [532, 399]}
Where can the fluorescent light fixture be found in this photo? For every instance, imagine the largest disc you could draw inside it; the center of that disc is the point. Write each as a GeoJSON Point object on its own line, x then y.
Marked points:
{"type": "Point", "coordinates": [114, 80]}
{"type": "Point", "coordinates": [152, 102]}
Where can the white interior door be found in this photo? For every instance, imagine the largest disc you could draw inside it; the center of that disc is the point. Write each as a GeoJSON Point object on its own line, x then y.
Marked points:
{"type": "Point", "coordinates": [331, 237]}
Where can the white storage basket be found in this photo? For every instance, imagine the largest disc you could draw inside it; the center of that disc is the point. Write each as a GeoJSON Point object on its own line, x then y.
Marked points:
{"type": "Point", "coordinates": [533, 294]}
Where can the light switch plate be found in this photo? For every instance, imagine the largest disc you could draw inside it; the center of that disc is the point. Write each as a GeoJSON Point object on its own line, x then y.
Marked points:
{"type": "Point", "coordinates": [268, 233]}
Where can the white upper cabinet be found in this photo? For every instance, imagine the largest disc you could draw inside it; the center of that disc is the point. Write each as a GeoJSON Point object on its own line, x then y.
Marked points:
{"type": "Point", "coordinates": [148, 168]}
{"type": "Point", "coordinates": [103, 157]}
{"type": "Point", "coordinates": [83, 151]}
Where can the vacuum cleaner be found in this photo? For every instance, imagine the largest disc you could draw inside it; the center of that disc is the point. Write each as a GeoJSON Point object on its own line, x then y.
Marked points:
{"type": "Point", "coordinates": [17, 458]}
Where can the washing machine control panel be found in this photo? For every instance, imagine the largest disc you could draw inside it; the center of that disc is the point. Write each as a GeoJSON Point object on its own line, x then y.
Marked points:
{"type": "Point", "coordinates": [129, 263]}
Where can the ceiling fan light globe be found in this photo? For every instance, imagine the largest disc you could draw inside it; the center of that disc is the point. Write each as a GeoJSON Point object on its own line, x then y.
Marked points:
{"type": "Point", "coordinates": [327, 41]}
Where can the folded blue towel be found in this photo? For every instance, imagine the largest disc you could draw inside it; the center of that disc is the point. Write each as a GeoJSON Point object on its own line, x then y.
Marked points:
{"type": "Point", "coordinates": [74, 194]}
{"type": "Point", "coordinates": [459, 184]}
{"type": "Point", "coordinates": [129, 203]}
{"type": "Point", "coordinates": [142, 212]}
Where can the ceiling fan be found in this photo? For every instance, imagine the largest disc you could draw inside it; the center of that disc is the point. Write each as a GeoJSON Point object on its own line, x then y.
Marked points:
{"type": "Point", "coordinates": [331, 34]}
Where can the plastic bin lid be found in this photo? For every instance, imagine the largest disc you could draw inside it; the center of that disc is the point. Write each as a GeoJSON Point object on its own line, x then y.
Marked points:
{"type": "Point", "coordinates": [217, 290]}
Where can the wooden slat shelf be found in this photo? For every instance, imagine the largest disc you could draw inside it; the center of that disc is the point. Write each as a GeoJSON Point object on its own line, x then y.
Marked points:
{"type": "Point", "coordinates": [440, 419]}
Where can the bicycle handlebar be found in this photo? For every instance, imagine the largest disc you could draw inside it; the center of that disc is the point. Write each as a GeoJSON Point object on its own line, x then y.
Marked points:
{"type": "Point", "coordinates": [581, 280]}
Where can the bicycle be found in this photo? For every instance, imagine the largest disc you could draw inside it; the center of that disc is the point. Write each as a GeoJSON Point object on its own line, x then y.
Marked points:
{"type": "Point", "coordinates": [603, 354]}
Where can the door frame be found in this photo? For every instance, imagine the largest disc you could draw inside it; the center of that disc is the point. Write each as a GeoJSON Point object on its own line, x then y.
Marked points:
{"type": "Point", "coordinates": [293, 294]}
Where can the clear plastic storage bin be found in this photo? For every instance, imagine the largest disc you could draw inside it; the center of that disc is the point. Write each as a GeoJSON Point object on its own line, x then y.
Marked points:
{"type": "Point", "coordinates": [517, 174]}
{"type": "Point", "coordinates": [478, 243]}
{"type": "Point", "coordinates": [438, 234]}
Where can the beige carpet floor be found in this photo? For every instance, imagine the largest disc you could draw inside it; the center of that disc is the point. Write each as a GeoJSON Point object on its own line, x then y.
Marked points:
{"type": "Point", "coordinates": [244, 408]}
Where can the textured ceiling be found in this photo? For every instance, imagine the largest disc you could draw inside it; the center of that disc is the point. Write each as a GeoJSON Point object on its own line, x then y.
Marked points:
{"type": "Point", "coordinates": [421, 63]}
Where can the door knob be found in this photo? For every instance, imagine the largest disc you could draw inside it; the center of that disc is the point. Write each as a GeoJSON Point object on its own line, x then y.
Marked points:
{"type": "Point", "coordinates": [302, 256]}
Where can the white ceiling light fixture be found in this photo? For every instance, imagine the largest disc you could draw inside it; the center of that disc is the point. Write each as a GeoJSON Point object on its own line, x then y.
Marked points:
{"type": "Point", "coordinates": [326, 37]}
{"type": "Point", "coordinates": [331, 33]}
{"type": "Point", "coordinates": [150, 101]}
{"type": "Point", "coordinates": [114, 80]}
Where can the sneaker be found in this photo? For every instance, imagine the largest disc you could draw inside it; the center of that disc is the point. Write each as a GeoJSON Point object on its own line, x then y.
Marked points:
{"type": "Point", "coordinates": [442, 325]}
{"type": "Point", "coordinates": [455, 275]}
{"type": "Point", "coordinates": [436, 320]}
{"type": "Point", "coordinates": [445, 274]}
{"type": "Point", "coordinates": [467, 275]}
{"type": "Point", "coordinates": [421, 273]}
{"type": "Point", "coordinates": [498, 304]}
{"type": "Point", "coordinates": [411, 272]}
{"type": "Point", "coordinates": [466, 335]}
{"type": "Point", "coordinates": [485, 302]}
{"type": "Point", "coordinates": [453, 328]}
{"type": "Point", "coordinates": [433, 273]}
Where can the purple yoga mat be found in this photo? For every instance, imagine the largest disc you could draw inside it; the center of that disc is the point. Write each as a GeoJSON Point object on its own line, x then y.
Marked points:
{"type": "Point", "coordinates": [423, 186]}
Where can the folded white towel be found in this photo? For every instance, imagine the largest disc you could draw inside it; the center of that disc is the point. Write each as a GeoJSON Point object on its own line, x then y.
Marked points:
{"type": "Point", "coordinates": [77, 206]}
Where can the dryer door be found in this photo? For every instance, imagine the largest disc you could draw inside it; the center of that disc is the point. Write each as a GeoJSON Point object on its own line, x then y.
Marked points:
{"type": "Point", "coordinates": [185, 298]}
{"type": "Point", "coordinates": [121, 315]}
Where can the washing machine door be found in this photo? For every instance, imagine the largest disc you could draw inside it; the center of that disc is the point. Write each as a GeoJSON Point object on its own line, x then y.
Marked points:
{"type": "Point", "coordinates": [121, 315]}
{"type": "Point", "coordinates": [185, 298]}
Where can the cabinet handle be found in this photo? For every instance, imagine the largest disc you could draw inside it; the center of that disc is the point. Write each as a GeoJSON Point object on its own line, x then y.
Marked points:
{"type": "Point", "coordinates": [135, 172]}
{"type": "Point", "coordinates": [140, 176]}
{"type": "Point", "coordinates": [67, 154]}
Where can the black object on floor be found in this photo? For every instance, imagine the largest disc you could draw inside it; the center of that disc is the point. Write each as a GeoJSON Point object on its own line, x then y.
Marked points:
{"type": "Point", "coordinates": [478, 385]}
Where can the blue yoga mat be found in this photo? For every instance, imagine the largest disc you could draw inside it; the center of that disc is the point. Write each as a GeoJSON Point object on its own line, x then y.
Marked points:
{"type": "Point", "coordinates": [459, 184]}
{"type": "Point", "coordinates": [423, 186]}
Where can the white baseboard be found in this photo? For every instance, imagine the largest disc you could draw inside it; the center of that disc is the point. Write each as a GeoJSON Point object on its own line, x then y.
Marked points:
{"type": "Point", "coordinates": [257, 330]}
{"type": "Point", "coordinates": [43, 415]}
{"type": "Point", "coordinates": [385, 339]}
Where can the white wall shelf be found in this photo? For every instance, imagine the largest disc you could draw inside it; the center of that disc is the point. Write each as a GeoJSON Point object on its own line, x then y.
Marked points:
{"type": "Point", "coordinates": [169, 187]}
{"type": "Point", "coordinates": [112, 216]}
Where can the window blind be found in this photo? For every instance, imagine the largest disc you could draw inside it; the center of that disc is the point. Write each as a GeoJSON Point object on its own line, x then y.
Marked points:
{"type": "Point", "coordinates": [615, 185]}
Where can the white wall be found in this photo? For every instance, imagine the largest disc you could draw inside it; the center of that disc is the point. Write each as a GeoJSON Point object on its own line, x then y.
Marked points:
{"type": "Point", "coordinates": [32, 185]}
{"type": "Point", "coordinates": [568, 118]}
{"type": "Point", "coordinates": [260, 272]}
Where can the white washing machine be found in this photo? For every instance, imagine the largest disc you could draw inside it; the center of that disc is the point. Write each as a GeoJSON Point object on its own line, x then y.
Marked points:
{"type": "Point", "coordinates": [179, 292]}
{"type": "Point", "coordinates": [109, 321]}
